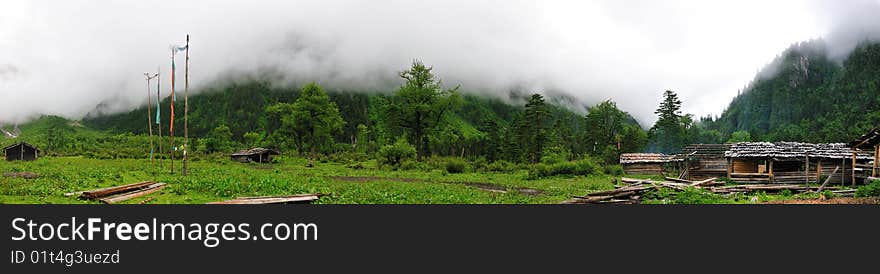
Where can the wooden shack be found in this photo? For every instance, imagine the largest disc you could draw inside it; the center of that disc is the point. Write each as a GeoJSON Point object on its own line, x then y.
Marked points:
{"type": "Point", "coordinates": [703, 161]}
{"type": "Point", "coordinates": [648, 163]}
{"type": "Point", "coordinates": [868, 143]}
{"type": "Point", "coordinates": [257, 155]}
{"type": "Point", "coordinates": [790, 162]}
{"type": "Point", "coordinates": [21, 151]}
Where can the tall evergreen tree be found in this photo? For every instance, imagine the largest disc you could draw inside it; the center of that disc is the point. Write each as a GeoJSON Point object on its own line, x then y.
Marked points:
{"type": "Point", "coordinates": [668, 133]}
{"type": "Point", "coordinates": [420, 104]}
{"type": "Point", "coordinates": [533, 128]}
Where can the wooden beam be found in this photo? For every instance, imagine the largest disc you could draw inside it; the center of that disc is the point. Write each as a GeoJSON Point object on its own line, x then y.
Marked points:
{"type": "Point", "coordinates": [131, 195]}
{"type": "Point", "coordinates": [771, 170]}
{"type": "Point", "coordinates": [853, 166]}
{"type": "Point", "coordinates": [807, 171]}
{"type": "Point", "coordinates": [819, 171]}
{"type": "Point", "coordinates": [729, 166]}
{"type": "Point", "coordinates": [876, 160]}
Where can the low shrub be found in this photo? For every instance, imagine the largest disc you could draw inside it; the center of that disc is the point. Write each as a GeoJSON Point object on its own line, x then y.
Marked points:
{"type": "Point", "coordinates": [394, 154]}
{"type": "Point", "coordinates": [501, 166]}
{"type": "Point", "coordinates": [615, 170]}
{"type": "Point", "coordinates": [455, 165]}
{"type": "Point", "coordinates": [869, 190]}
{"type": "Point", "coordinates": [581, 167]}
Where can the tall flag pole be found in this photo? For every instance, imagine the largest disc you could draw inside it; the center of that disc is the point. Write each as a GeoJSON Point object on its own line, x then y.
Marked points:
{"type": "Point", "coordinates": [158, 116]}
{"type": "Point", "coordinates": [150, 114]}
{"type": "Point", "coordinates": [186, 108]}
{"type": "Point", "coordinates": [171, 123]}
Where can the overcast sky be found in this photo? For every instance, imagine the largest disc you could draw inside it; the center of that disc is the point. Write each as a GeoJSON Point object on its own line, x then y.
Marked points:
{"type": "Point", "coordinates": [64, 57]}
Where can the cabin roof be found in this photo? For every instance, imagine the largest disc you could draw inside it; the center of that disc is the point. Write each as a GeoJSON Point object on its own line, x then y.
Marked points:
{"type": "Point", "coordinates": [791, 150]}
{"type": "Point", "coordinates": [869, 139]}
{"type": "Point", "coordinates": [255, 151]}
{"type": "Point", "coordinates": [21, 144]}
{"type": "Point", "coordinates": [638, 158]}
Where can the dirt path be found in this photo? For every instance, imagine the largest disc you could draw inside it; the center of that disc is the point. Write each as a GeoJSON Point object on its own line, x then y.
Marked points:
{"type": "Point", "coordinates": [481, 186]}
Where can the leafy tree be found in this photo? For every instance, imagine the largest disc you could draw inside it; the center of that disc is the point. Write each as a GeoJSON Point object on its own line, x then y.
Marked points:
{"type": "Point", "coordinates": [253, 139]}
{"type": "Point", "coordinates": [610, 131]}
{"type": "Point", "coordinates": [396, 153]}
{"type": "Point", "coordinates": [740, 136]}
{"type": "Point", "coordinates": [420, 104]}
{"type": "Point", "coordinates": [314, 118]}
{"type": "Point", "coordinates": [219, 140]}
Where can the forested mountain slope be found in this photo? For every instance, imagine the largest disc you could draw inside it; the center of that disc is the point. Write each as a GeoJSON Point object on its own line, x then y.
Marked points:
{"type": "Point", "coordinates": [805, 96]}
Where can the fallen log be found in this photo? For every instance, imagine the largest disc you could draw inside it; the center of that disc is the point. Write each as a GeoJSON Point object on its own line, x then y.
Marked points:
{"type": "Point", "coordinates": [679, 180]}
{"type": "Point", "coordinates": [619, 190]}
{"type": "Point", "coordinates": [595, 199]}
{"type": "Point", "coordinates": [299, 198]}
{"type": "Point", "coordinates": [104, 192]}
{"type": "Point", "coordinates": [134, 194]}
{"type": "Point", "coordinates": [703, 182]}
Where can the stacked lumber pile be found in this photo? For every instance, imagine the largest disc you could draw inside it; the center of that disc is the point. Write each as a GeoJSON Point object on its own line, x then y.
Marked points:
{"type": "Point", "coordinates": [112, 195]}
{"type": "Point", "coordinates": [287, 199]}
{"type": "Point", "coordinates": [634, 189]}
{"type": "Point", "coordinates": [642, 158]}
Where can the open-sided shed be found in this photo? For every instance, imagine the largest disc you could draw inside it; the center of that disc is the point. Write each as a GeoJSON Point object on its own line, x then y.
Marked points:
{"type": "Point", "coordinates": [258, 155]}
{"type": "Point", "coordinates": [870, 141]}
{"type": "Point", "coordinates": [791, 162]}
{"type": "Point", "coordinates": [21, 151]}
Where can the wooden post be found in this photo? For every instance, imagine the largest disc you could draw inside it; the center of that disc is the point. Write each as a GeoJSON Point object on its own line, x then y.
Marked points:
{"type": "Point", "coordinates": [158, 106]}
{"type": "Point", "coordinates": [843, 171]}
{"type": "Point", "coordinates": [150, 114]}
{"type": "Point", "coordinates": [186, 108]}
{"type": "Point", "coordinates": [853, 166]}
{"type": "Point", "coordinates": [771, 170]}
{"type": "Point", "coordinates": [807, 170]}
{"type": "Point", "coordinates": [819, 171]}
{"type": "Point", "coordinates": [876, 160]}
{"type": "Point", "coordinates": [729, 167]}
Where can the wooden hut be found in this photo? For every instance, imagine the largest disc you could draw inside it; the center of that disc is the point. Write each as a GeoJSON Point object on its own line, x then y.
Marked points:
{"type": "Point", "coordinates": [789, 162]}
{"type": "Point", "coordinates": [21, 151]}
{"type": "Point", "coordinates": [704, 161]}
{"type": "Point", "coordinates": [869, 142]}
{"type": "Point", "coordinates": [258, 155]}
{"type": "Point", "coordinates": [647, 163]}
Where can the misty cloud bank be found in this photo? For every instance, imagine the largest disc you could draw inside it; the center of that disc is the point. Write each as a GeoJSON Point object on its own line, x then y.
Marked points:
{"type": "Point", "coordinates": [64, 57]}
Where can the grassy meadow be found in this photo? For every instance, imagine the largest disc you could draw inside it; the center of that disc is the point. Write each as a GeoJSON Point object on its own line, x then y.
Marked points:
{"type": "Point", "coordinates": [217, 178]}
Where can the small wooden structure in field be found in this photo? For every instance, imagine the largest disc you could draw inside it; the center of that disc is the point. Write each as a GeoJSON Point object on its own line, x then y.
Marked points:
{"type": "Point", "coordinates": [703, 161]}
{"type": "Point", "coordinates": [647, 163]}
{"type": "Point", "coordinates": [258, 155]}
{"type": "Point", "coordinates": [790, 162]}
{"type": "Point", "coordinates": [869, 142]}
{"type": "Point", "coordinates": [21, 151]}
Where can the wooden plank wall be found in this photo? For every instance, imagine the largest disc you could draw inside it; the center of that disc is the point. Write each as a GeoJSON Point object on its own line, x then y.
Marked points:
{"type": "Point", "coordinates": [643, 169]}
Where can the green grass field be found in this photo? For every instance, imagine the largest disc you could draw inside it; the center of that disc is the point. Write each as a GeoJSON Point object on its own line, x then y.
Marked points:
{"type": "Point", "coordinates": [218, 179]}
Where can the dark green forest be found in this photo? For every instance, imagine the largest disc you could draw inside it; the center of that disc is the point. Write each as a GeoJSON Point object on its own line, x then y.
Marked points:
{"type": "Point", "coordinates": [807, 97]}
{"type": "Point", "coordinates": [435, 120]}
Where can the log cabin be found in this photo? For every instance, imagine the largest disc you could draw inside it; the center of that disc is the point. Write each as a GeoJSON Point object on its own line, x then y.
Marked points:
{"type": "Point", "coordinates": [703, 161]}
{"type": "Point", "coordinates": [790, 162]}
{"type": "Point", "coordinates": [648, 163]}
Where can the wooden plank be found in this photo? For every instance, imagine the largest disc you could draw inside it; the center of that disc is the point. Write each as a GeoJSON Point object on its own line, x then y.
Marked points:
{"type": "Point", "coordinates": [103, 192]}
{"type": "Point", "coordinates": [131, 195]}
{"type": "Point", "coordinates": [299, 198]}
{"type": "Point", "coordinates": [827, 180]}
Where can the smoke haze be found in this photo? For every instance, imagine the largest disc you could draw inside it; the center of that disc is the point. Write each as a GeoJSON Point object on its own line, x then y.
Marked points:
{"type": "Point", "coordinates": [65, 57]}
